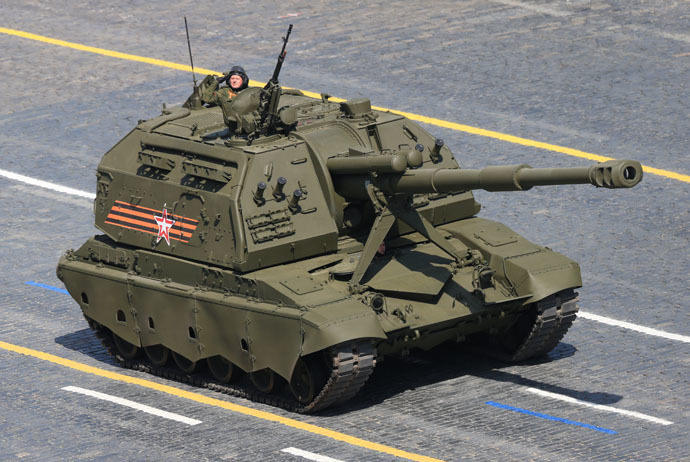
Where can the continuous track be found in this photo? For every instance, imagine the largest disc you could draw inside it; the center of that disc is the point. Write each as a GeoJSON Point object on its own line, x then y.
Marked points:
{"type": "Point", "coordinates": [553, 316]}
{"type": "Point", "coordinates": [351, 365]}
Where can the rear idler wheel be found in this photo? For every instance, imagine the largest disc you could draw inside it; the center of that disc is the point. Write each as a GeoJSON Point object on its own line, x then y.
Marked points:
{"type": "Point", "coordinates": [185, 365]}
{"type": "Point", "coordinates": [157, 354]}
{"type": "Point", "coordinates": [265, 380]}
{"type": "Point", "coordinates": [221, 369]}
{"type": "Point", "coordinates": [126, 349]}
{"type": "Point", "coordinates": [308, 378]}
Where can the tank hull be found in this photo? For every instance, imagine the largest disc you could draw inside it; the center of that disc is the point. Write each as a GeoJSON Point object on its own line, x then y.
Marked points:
{"type": "Point", "coordinates": [199, 321]}
{"type": "Point", "coordinates": [269, 319]}
{"type": "Point", "coordinates": [302, 251]}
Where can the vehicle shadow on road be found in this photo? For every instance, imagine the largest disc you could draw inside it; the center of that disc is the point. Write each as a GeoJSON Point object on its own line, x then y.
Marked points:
{"type": "Point", "coordinates": [395, 376]}
{"type": "Point", "coordinates": [86, 342]}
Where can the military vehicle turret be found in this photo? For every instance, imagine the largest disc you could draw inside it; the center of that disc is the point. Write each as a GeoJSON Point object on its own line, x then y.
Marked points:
{"type": "Point", "coordinates": [275, 246]}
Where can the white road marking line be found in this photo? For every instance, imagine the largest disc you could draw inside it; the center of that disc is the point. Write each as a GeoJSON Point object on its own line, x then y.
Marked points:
{"type": "Point", "coordinates": [582, 314]}
{"type": "Point", "coordinates": [133, 405]}
{"type": "Point", "coordinates": [46, 184]}
{"type": "Point", "coordinates": [309, 455]}
{"type": "Point", "coordinates": [535, 8]}
{"type": "Point", "coordinates": [635, 327]}
{"type": "Point", "coordinates": [601, 407]}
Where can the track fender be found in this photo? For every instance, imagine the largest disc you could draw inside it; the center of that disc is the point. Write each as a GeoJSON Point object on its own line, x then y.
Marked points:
{"type": "Point", "coordinates": [528, 268]}
{"type": "Point", "coordinates": [334, 323]}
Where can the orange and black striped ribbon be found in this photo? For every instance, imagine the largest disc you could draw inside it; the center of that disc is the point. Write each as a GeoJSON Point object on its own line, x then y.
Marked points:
{"type": "Point", "coordinates": [143, 219]}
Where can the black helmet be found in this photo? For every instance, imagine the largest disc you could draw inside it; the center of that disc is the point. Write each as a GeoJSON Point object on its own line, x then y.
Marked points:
{"type": "Point", "coordinates": [239, 70]}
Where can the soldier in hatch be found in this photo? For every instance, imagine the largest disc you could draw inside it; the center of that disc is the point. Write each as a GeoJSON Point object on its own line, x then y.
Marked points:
{"type": "Point", "coordinates": [241, 119]}
{"type": "Point", "coordinates": [212, 93]}
{"type": "Point", "coordinates": [237, 81]}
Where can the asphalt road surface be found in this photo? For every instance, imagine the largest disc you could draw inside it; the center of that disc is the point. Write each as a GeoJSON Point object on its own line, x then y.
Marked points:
{"type": "Point", "coordinates": [583, 78]}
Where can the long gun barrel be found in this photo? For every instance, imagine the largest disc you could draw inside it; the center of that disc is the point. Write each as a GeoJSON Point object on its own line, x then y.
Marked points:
{"type": "Point", "coordinates": [281, 56]}
{"type": "Point", "coordinates": [270, 95]}
{"type": "Point", "coordinates": [610, 174]}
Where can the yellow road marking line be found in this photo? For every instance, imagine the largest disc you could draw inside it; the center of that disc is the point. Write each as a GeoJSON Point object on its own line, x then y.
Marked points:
{"type": "Point", "coordinates": [420, 118]}
{"type": "Point", "coordinates": [196, 397]}
{"type": "Point", "coordinates": [104, 52]}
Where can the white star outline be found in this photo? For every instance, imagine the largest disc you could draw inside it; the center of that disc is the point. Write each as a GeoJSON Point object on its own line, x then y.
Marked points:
{"type": "Point", "coordinates": [164, 225]}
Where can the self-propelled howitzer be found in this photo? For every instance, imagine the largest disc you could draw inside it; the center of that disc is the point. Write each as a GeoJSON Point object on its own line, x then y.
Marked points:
{"type": "Point", "coordinates": [279, 262]}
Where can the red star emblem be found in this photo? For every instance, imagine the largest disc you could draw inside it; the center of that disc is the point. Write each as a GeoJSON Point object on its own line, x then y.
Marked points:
{"type": "Point", "coordinates": [164, 225]}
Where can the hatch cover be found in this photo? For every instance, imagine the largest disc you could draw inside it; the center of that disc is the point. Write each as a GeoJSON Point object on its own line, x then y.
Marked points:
{"type": "Point", "coordinates": [496, 236]}
{"type": "Point", "coordinates": [302, 285]}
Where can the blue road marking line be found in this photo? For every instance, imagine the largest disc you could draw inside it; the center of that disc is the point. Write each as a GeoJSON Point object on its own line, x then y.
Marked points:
{"type": "Point", "coordinates": [46, 286]}
{"type": "Point", "coordinates": [550, 417]}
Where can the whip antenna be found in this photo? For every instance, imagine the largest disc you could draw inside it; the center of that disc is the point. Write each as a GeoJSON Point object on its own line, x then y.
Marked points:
{"type": "Point", "coordinates": [189, 45]}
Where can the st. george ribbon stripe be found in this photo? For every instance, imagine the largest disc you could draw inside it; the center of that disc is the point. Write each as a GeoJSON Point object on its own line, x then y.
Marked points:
{"type": "Point", "coordinates": [143, 223]}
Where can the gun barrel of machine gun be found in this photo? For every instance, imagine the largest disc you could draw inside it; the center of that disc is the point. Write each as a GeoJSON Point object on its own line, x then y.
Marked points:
{"type": "Point", "coordinates": [270, 96]}
{"type": "Point", "coordinates": [281, 57]}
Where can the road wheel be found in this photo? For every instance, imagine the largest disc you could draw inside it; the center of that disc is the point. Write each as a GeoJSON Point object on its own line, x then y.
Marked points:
{"type": "Point", "coordinates": [308, 378]}
{"type": "Point", "coordinates": [185, 365]}
{"type": "Point", "coordinates": [221, 369]}
{"type": "Point", "coordinates": [126, 349]}
{"type": "Point", "coordinates": [264, 380]}
{"type": "Point", "coordinates": [157, 354]}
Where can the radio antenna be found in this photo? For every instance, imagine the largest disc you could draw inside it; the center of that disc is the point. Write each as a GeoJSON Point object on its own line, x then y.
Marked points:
{"type": "Point", "coordinates": [189, 45]}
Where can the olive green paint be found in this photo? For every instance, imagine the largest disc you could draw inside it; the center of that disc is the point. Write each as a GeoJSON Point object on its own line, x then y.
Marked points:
{"type": "Point", "coordinates": [280, 217]}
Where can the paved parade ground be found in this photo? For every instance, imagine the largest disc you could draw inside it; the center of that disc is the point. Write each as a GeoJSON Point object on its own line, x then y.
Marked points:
{"type": "Point", "coordinates": [546, 83]}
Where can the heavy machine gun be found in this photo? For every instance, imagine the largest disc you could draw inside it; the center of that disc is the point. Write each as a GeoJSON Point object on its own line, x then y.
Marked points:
{"type": "Point", "coordinates": [270, 94]}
